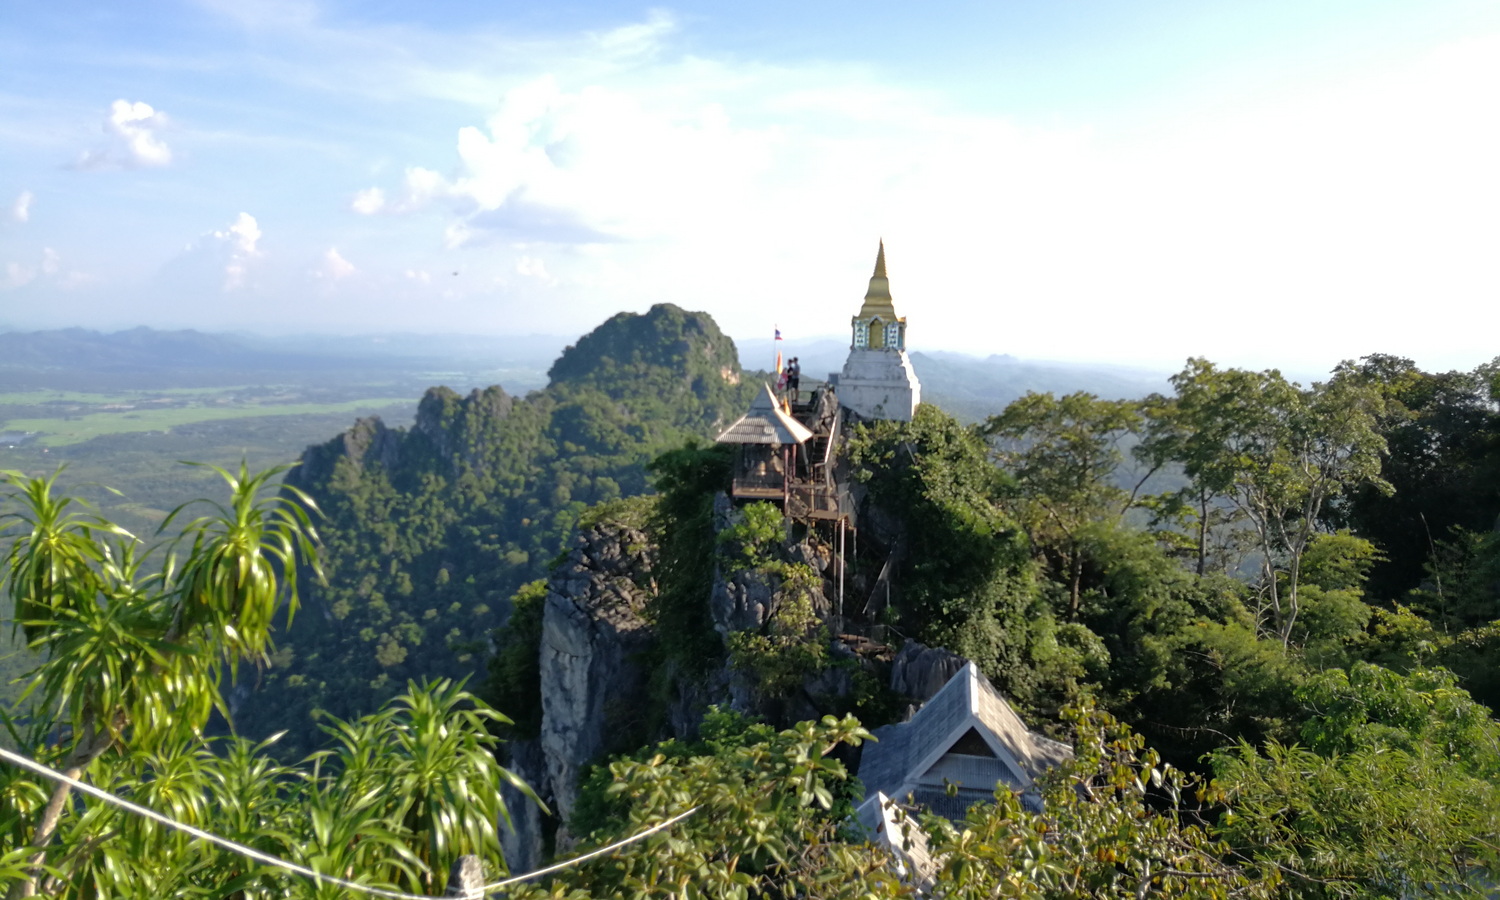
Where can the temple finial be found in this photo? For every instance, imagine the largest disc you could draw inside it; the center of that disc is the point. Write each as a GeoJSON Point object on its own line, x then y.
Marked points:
{"type": "Point", "coordinates": [880, 260]}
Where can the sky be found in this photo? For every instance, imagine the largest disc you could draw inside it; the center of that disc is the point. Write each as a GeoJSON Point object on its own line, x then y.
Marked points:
{"type": "Point", "coordinates": [1271, 183]}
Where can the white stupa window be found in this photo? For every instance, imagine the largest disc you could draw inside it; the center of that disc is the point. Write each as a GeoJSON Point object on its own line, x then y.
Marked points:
{"type": "Point", "coordinates": [893, 335]}
{"type": "Point", "coordinates": [861, 333]}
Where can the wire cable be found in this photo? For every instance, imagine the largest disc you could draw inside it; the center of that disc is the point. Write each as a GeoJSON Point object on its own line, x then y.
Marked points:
{"type": "Point", "coordinates": [490, 888]}
{"type": "Point", "coordinates": [251, 853]}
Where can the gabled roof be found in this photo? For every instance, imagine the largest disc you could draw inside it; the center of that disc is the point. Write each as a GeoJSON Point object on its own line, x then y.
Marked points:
{"type": "Point", "coordinates": [918, 756]}
{"type": "Point", "coordinates": [765, 423]}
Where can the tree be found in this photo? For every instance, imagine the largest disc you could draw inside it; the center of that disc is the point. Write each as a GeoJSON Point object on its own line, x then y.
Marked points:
{"type": "Point", "coordinates": [1167, 439]}
{"type": "Point", "coordinates": [1115, 822]}
{"type": "Point", "coordinates": [1443, 435]}
{"type": "Point", "coordinates": [768, 819]}
{"type": "Point", "coordinates": [1063, 454]}
{"type": "Point", "coordinates": [1280, 454]}
{"type": "Point", "coordinates": [135, 657]}
{"type": "Point", "coordinates": [1394, 793]}
{"type": "Point", "coordinates": [965, 576]}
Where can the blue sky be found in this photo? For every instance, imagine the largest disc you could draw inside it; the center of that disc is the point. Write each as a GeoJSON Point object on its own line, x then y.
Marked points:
{"type": "Point", "coordinates": [1267, 183]}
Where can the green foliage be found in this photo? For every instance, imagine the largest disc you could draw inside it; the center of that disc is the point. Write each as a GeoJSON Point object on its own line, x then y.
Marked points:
{"type": "Point", "coordinates": [1115, 822]}
{"type": "Point", "coordinates": [965, 582]}
{"type": "Point", "coordinates": [515, 675]}
{"type": "Point", "coordinates": [1279, 454]}
{"type": "Point", "coordinates": [1063, 454]}
{"type": "Point", "coordinates": [793, 644]}
{"type": "Point", "coordinates": [1442, 431]}
{"type": "Point", "coordinates": [1462, 587]}
{"type": "Point", "coordinates": [687, 479]}
{"type": "Point", "coordinates": [1334, 614]}
{"type": "Point", "coordinates": [753, 537]}
{"type": "Point", "coordinates": [130, 676]}
{"type": "Point", "coordinates": [767, 820]}
{"type": "Point", "coordinates": [399, 795]}
{"type": "Point", "coordinates": [133, 658]}
{"type": "Point", "coordinates": [476, 499]}
{"type": "Point", "coordinates": [1395, 794]}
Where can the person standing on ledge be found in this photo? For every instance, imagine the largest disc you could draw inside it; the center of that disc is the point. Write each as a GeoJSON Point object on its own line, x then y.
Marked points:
{"type": "Point", "coordinates": [793, 377]}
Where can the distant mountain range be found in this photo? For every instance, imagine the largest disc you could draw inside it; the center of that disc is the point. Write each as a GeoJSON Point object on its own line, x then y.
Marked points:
{"type": "Point", "coordinates": [969, 387]}
{"type": "Point", "coordinates": [146, 358]}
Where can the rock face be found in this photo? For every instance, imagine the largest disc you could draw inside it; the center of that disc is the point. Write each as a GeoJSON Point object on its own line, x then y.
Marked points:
{"type": "Point", "coordinates": [522, 841]}
{"type": "Point", "coordinates": [592, 637]}
{"type": "Point", "coordinates": [920, 671]}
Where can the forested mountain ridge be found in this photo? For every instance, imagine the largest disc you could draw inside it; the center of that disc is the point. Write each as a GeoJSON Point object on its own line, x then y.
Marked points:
{"type": "Point", "coordinates": [428, 530]}
{"type": "Point", "coordinates": [1338, 733]}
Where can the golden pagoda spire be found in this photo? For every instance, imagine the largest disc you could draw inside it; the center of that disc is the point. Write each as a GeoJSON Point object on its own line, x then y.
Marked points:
{"type": "Point", "coordinates": [878, 298]}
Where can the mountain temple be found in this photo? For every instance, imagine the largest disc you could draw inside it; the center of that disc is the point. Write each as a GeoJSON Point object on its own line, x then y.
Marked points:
{"type": "Point", "coordinates": [878, 381]}
{"type": "Point", "coordinates": [785, 447]}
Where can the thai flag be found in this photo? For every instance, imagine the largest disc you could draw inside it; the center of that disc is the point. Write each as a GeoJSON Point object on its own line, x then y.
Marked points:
{"type": "Point", "coordinates": [778, 334]}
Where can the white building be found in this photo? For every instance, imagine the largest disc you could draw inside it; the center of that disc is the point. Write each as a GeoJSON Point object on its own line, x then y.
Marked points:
{"type": "Point", "coordinates": [878, 381]}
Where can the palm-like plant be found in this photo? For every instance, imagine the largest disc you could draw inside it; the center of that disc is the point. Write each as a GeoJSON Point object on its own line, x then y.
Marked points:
{"type": "Point", "coordinates": [133, 655]}
{"type": "Point", "coordinates": [241, 564]}
{"type": "Point", "coordinates": [132, 662]}
{"type": "Point", "coordinates": [430, 755]}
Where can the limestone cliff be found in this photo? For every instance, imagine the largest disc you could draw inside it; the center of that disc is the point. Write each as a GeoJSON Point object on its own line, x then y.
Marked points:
{"type": "Point", "coordinates": [606, 687]}
{"type": "Point", "coordinates": [592, 681]}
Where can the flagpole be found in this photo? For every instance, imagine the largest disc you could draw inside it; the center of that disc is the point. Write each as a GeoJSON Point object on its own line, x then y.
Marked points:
{"type": "Point", "coordinates": [776, 373]}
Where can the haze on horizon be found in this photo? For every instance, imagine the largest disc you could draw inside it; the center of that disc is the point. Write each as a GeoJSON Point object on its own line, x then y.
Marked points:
{"type": "Point", "coordinates": [1282, 183]}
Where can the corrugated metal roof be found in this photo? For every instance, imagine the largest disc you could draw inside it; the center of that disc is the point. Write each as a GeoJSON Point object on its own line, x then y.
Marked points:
{"type": "Point", "coordinates": [765, 423]}
{"type": "Point", "coordinates": [906, 754]}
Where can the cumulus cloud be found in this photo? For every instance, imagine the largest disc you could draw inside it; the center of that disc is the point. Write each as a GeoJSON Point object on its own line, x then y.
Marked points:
{"type": "Point", "coordinates": [369, 201]}
{"type": "Point", "coordinates": [136, 128]}
{"type": "Point", "coordinates": [20, 211]}
{"type": "Point", "coordinates": [532, 267]}
{"type": "Point", "coordinates": [237, 242]}
{"type": "Point", "coordinates": [46, 270]}
{"type": "Point", "coordinates": [226, 260]}
{"type": "Point", "coordinates": [335, 267]}
{"type": "Point", "coordinates": [586, 166]}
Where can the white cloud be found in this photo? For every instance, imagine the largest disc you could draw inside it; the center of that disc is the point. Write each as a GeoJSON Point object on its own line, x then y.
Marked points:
{"type": "Point", "coordinates": [666, 184]}
{"type": "Point", "coordinates": [20, 211]}
{"type": "Point", "coordinates": [138, 143]}
{"type": "Point", "coordinates": [532, 267]}
{"type": "Point", "coordinates": [237, 242]}
{"type": "Point", "coordinates": [369, 201]}
{"type": "Point", "coordinates": [47, 270]}
{"type": "Point", "coordinates": [335, 267]}
{"type": "Point", "coordinates": [420, 275]}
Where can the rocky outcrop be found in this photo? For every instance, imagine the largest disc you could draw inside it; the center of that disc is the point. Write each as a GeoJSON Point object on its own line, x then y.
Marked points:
{"type": "Point", "coordinates": [592, 638]}
{"type": "Point", "coordinates": [455, 427]}
{"type": "Point", "coordinates": [367, 444]}
{"type": "Point", "coordinates": [521, 841]}
{"type": "Point", "coordinates": [920, 671]}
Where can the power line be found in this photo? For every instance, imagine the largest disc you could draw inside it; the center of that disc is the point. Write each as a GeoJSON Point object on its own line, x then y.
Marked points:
{"type": "Point", "coordinates": [251, 853]}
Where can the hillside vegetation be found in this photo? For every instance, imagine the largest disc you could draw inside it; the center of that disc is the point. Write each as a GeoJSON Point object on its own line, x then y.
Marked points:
{"type": "Point", "coordinates": [1277, 676]}
{"type": "Point", "coordinates": [428, 530]}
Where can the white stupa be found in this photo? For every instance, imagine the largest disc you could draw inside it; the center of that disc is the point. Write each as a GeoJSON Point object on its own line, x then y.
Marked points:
{"type": "Point", "coordinates": [878, 381]}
